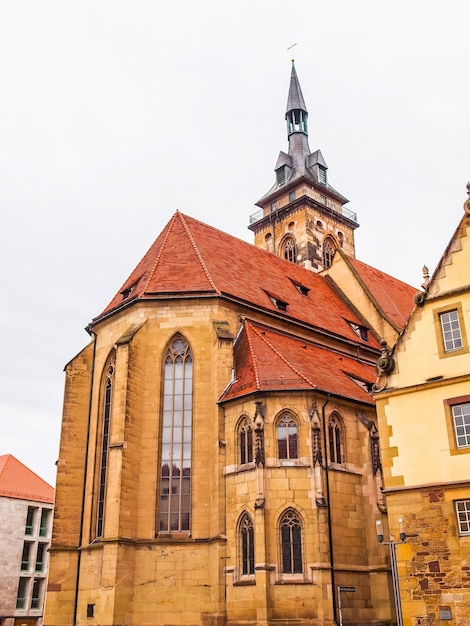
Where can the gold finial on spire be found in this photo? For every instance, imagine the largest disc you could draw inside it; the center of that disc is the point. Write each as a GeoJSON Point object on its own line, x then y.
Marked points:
{"type": "Point", "coordinates": [466, 204]}
{"type": "Point", "coordinates": [292, 48]}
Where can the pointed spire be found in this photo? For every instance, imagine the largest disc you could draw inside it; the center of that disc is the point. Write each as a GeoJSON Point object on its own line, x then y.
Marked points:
{"type": "Point", "coordinates": [295, 99]}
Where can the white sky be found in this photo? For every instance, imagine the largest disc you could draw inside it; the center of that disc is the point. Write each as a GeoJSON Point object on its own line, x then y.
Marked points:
{"type": "Point", "coordinates": [115, 114]}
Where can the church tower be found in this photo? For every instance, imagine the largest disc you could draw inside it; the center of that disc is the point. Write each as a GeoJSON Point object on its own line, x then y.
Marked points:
{"type": "Point", "coordinates": [303, 218]}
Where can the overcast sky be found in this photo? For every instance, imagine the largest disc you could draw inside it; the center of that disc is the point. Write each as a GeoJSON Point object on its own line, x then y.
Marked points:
{"type": "Point", "coordinates": [114, 114]}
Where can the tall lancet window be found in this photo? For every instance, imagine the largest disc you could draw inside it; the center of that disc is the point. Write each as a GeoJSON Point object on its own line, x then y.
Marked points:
{"type": "Point", "coordinates": [106, 404]}
{"type": "Point", "coordinates": [175, 477]}
{"type": "Point", "coordinates": [247, 545]}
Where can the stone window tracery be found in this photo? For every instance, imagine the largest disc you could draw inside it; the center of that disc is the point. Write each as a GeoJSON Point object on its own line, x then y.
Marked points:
{"type": "Point", "coordinates": [329, 250]}
{"type": "Point", "coordinates": [245, 441]}
{"type": "Point", "coordinates": [106, 406]}
{"type": "Point", "coordinates": [175, 472]}
{"type": "Point", "coordinates": [291, 543]}
{"type": "Point", "coordinates": [335, 437]}
{"type": "Point", "coordinates": [290, 249]}
{"type": "Point", "coordinates": [287, 437]}
{"type": "Point", "coordinates": [247, 545]}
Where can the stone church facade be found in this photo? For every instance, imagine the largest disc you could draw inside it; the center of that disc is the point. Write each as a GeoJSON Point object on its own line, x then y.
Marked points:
{"type": "Point", "coordinates": [219, 460]}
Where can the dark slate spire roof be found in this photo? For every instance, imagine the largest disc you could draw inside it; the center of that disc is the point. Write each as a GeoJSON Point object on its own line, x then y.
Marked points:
{"type": "Point", "coordinates": [299, 163]}
{"type": "Point", "coordinates": [295, 99]}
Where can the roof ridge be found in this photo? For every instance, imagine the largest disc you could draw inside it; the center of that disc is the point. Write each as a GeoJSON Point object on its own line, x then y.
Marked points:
{"type": "Point", "coordinates": [197, 252]}
{"type": "Point", "coordinates": [288, 363]}
{"type": "Point", "coordinates": [351, 262]}
{"type": "Point", "coordinates": [154, 267]}
{"type": "Point", "coordinates": [251, 349]}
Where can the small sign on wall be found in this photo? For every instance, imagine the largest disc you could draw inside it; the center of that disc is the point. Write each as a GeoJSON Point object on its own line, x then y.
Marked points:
{"type": "Point", "coordinates": [445, 613]}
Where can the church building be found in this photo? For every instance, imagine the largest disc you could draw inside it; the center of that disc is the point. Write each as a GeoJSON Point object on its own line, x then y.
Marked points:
{"type": "Point", "coordinates": [219, 460]}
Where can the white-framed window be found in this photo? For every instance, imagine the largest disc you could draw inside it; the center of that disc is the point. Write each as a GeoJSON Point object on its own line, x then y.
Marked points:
{"type": "Point", "coordinates": [451, 332]}
{"type": "Point", "coordinates": [462, 510]}
{"type": "Point", "coordinates": [461, 419]}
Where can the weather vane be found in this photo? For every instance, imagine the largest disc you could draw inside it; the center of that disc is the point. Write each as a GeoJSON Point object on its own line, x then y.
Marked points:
{"type": "Point", "coordinates": [292, 48]}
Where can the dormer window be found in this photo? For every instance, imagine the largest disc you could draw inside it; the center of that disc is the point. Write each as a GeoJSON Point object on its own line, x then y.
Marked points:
{"type": "Point", "coordinates": [278, 303]}
{"type": "Point", "coordinates": [361, 331]}
{"type": "Point", "coordinates": [301, 288]}
{"type": "Point", "coordinates": [281, 176]}
{"type": "Point", "coordinates": [322, 174]}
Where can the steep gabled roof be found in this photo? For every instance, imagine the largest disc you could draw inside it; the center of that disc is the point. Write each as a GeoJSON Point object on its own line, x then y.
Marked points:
{"type": "Point", "coordinates": [393, 297]}
{"type": "Point", "coordinates": [192, 259]}
{"type": "Point", "coordinates": [269, 360]}
{"type": "Point", "coordinates": [18, 481]}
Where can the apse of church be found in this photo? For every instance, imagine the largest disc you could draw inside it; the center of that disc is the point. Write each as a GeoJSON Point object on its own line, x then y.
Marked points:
{"type": "Point", "coordinates": [218, 460]}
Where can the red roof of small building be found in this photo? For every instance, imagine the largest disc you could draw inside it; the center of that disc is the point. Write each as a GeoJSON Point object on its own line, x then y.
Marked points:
{"type": "Point", "coordinates": [18, 481]}
{"type": "Point", "coordinates": [191, 259]}
{"type": "Point", "coordinates": [394, 298]}
{"type": "Point", "coordinates": [269, 360]}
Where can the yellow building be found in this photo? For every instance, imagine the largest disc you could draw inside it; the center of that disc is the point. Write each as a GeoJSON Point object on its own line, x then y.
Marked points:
{"type": "Point", "coordinates": [219, 460]}
{"type": "Point", "coordinates": [423, 408]}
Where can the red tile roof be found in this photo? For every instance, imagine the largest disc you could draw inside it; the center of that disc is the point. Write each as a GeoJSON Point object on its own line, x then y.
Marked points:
{"type": "Point", "coordinates": [18, 481]}
{"type": "Point", "coordinates": [191, 259]}
{"type": "Point", "coordinates": [268, 360]}
{"type": "Point", "coordinates": [394, 298]}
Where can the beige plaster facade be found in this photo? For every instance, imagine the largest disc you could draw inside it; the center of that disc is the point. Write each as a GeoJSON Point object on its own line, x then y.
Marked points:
{"type": "Point", "coordinates": [424, 423]}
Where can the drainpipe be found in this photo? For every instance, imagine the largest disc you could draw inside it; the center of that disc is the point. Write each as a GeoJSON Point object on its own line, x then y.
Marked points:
{"type": "Point", "coordinates": [328, 505]}
{"type": "Point", "coordinates": [85, 468]}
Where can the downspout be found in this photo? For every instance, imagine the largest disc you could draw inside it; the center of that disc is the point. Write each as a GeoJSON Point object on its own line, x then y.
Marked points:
{"type": "Point", "coordinates": [85, 468]}
{"type": "Point", "coordinates": [328, 508]}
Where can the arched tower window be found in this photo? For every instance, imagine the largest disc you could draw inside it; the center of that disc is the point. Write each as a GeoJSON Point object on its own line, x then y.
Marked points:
{"type": "Point", "coordinates": [329, 250]}
{"type": "Point", "coordinates": [245, 441]}
{"type": "Point", "coordinates": [287, 437]}
{"type": "Point", "coordinates": [289, 249]}
{"type": "Point", "coordinates": [106, 404]}
{"type": "Point", "coordinates": [335, 439]}
{"type": "Point", "coordinates": [175, 478]}
{"type": "Point", "coordinates": [291, 543]}
{"type": "Point", "coordinates": [246, 535]}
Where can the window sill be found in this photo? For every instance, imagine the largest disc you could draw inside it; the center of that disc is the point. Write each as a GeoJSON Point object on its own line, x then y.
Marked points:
{"type": "Point", "coordinates": [246, 467]}
{"type": "Point", "coordinates": [293, 579]}
{"type": "Point", "coordinates": [249, 581]}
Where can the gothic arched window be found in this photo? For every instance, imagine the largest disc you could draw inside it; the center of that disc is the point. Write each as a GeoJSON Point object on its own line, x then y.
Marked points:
{"type": "Point", "coordinates": [247, 545]}
{"type": "Point", "coordinates": [245, 441]}
{"type": "Point", "coordinates": [289, 248]}
{"type": "Point", "coordinates": [291, 543]}
{"type": "Point", "coordinates": [175, 478]}
{"type": "Point", "coordinates": [106, 404]}
{"type": "Point", "coordinates": [335, 436]}
{"type": "Point", "coordinates": [287, 443]}
{"type": "Point", "coordinates": [329, 250]}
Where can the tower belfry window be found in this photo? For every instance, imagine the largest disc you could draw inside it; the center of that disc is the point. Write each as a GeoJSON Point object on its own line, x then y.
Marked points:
{"type": "Point", "coordinates": [290, 249]}
{"type": "Point", "coordinates": [281, 176]}
{"type": "Point", "coordinates": [329, 250]}
{"type": "Point", "coordinates": [322, 174]}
